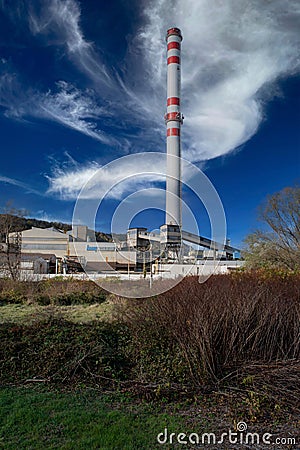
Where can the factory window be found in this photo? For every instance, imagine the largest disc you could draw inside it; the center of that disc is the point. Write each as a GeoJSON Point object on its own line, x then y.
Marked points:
{"type": "Point", "coordinates": [44, 246]}
{"type": "Point", "coordinates": [60, 237]}
{"type": "Point", "coordinates": [132, 233]}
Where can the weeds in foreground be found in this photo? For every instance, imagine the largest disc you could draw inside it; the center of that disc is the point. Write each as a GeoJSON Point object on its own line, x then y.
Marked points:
{"type": "Point", "coordinates": [54, 291]}
{"type": "Point", "coordinates": [237, 333]}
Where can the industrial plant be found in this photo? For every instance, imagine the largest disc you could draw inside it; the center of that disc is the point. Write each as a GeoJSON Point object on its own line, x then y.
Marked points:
{"type": "Point", "coordinates": [56, 251]}
{"type": "Point", "coordinates": [172, 235]}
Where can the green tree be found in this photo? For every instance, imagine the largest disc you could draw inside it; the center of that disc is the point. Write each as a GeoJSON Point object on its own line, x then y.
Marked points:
{"type": "Point", "coordinates": [279, 246]}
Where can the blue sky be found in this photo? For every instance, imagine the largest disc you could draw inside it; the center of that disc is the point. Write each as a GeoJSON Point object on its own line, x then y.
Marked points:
{"type": "Point", "coordinates": [84, 83]}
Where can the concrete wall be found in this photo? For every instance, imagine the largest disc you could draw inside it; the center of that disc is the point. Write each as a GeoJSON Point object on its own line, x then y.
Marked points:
{"type": "Point", "coordinates": [201, 268]}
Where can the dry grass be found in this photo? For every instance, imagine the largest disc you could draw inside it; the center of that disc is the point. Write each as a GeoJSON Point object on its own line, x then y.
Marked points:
{"type": "Point", "coordinates": [55, 291]}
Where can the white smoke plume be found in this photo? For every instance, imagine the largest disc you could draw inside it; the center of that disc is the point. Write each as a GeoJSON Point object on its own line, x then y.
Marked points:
{"type": "Point", "coordinates": [233, 52]}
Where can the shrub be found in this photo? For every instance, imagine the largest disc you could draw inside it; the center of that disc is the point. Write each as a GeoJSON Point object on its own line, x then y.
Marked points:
{"type": "Point", "coordinates": [52, 291]}
{"type": "Point", "coordinates": [206, 331]}
{"type": "Point", "coordinates": [62, 352]}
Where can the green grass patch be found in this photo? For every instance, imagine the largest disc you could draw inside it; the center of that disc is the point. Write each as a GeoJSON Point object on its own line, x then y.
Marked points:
{"type": "Point", "coordinates": [18, 313]}
{"type": "Point", "coordinates": [37, 419]}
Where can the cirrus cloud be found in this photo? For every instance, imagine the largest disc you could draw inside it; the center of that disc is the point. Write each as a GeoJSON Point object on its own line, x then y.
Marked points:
{"type": "Point", "coordinates": [233, 55]}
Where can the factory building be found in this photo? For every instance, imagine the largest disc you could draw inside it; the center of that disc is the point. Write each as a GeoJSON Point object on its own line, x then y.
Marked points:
{"type": "Point", "coordinates": [45, 241]}
{"type": "Point", "coordinates": [75, 250]}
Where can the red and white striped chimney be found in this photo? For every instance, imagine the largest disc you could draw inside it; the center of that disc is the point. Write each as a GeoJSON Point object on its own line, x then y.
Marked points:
{"type": "Point", "coordinates": [174, 120]}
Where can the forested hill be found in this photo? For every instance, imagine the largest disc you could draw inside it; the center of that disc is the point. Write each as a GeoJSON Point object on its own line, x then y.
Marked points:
{"type": "Point", "coordinates": [23, 223]}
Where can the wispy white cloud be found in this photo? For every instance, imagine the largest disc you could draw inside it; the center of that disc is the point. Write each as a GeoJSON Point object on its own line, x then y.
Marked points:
{"type": "Point", "coordinates": [68, 182]}
{"type": "Point", "coordinates": [44, 215]}
{"type": "Point", "coordinates": [19, 184]}
{"type": "Point", "coordinates": [111, 181]}
{"type": "Point", "coordinates": [12, 99]}
{"type": "Point", "coordinates": [61, 21]}
{"type": "Point", "coordinates": [75, 109]}
{"type": "Point", "coordinates": [71, 107]}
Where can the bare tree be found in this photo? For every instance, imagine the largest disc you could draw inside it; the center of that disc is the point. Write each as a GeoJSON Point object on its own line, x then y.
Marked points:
{"type": "Point", "coordinates": [10, 242]}
{"type": "Point", "coordinates": [279, 246]}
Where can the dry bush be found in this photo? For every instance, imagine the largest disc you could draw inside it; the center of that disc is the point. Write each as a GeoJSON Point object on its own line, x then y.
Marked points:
{"type": "Point", "coordinates": [202, 333]}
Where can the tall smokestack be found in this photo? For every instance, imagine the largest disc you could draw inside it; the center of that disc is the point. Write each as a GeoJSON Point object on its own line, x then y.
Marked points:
{"type": "Point", "coordinates": [173, 119]}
